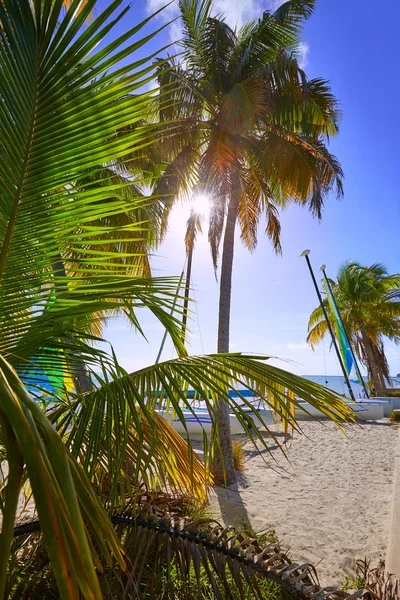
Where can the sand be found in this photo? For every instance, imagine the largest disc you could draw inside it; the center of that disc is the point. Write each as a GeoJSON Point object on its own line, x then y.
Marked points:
{"type": "Point", "coordinates": [332, 504]}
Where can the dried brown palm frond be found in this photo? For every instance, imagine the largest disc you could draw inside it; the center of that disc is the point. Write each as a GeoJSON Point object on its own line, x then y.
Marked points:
{"type": "Point", "coordinates": [172, 556]}
{"type": "Point", "coordinates": [379, 582]}
{"type": "Point", "coordinates": [383, 585]}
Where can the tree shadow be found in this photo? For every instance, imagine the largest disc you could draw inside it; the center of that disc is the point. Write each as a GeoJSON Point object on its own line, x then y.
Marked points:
{"type": "Point", "coordinates": [380, 423]}
{"type": "Point", "coordinates": [232, 508]}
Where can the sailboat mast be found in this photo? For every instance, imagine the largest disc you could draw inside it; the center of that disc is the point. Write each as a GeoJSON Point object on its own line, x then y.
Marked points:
{"type": "Point", "coordinates": [305, 253]}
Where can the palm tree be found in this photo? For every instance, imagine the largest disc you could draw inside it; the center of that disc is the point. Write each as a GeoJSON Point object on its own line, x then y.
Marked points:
{"type": "Point", "coordinates": [250, 130]}
{"type": "Point", "coordinates": [368, 299]}
{"type": "Point", "coordinates": [193, 228]}
{"type": "Point", "coordinates": [60, 267]}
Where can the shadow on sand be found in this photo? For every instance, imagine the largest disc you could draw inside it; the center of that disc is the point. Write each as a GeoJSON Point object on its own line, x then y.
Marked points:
{"type": "Point", "coordinates": [232, 508]}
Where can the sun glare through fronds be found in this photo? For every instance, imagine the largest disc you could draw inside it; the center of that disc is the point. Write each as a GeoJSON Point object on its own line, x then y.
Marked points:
{"type": "Point", "coordinates": [201, 204]}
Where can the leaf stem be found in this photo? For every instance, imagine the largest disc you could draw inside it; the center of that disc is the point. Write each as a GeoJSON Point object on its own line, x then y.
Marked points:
{"type": "Point", "coordinates": [14, 479]}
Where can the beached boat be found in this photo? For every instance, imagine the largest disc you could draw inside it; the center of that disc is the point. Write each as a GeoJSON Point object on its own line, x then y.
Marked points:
{"type": "Point", "coordinates": [367, 410]}
{"type": "Point", "coordinates": [198, 421]}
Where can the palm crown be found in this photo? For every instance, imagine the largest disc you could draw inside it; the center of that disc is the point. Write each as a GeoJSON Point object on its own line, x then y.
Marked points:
{"type": "Point", "coordinates": [252, 127]}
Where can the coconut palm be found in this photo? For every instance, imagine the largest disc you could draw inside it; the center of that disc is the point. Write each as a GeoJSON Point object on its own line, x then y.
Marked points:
{"type": "Point", "coordinates": [369, 302]}
{"type": "Point", "coordinates": [63, 94]}
{"type": "Point", "coordinates": [250, 132]}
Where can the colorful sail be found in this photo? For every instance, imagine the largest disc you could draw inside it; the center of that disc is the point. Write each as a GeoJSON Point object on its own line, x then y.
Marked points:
{"type": "Point", "coordinates": [47, 374]}
{"type": "Point", "coordinates": [343, 341]}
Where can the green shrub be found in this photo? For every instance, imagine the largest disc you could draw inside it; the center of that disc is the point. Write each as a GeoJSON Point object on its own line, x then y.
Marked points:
{"type": "Point", "coordinates": [395, 416]}
{"type": "Point", "coordinates": [239, 455]}
{"type": "Point", "coordinates": [353, 583]}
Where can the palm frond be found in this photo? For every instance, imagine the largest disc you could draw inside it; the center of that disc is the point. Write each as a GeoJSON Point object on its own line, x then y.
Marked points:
{"type": "Point", "coordinates": [295, 11]}
{"type": "Point", "coordinates": [194, 18]}
{"type": "Point", "coordinates": [123, 444]}
{"type": "Point", "coordinates": [300, 165]}
{"type": "Point", "coordinates": [217, 45]}
{"type": "Point", "coordinates": [115, 428]}
{"type": "Point", "coordinates": [301, 105]}
{"type": "Point", "coordinates": [61, 492]}
{"type": "Point", "coordinates": [194, 227]}
{"type": "Point", "coordinates": [259, 42]}
{"type": "Point", "coordinates": [60, 261]}
{"type": "Point", "coordinates": [257, 198]}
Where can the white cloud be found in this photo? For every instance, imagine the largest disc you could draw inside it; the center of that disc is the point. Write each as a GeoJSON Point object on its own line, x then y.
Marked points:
{"type": "Point", "coordinates": [303, 50]}
{"type": "Point", "coordinates": [235, 12]}
{"type": "Point", "coordinates": [175, 30]}
{"type": "Point", "coordinates": [169, 11]}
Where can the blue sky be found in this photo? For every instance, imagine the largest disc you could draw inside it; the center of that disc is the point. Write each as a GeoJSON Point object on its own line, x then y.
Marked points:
{"type": "Point", "coordinates": [355, 47]}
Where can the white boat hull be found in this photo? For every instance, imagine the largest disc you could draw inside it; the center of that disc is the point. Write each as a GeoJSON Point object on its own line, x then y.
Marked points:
{"type": "Point", "coordinates": [365, 411]}
{"type": "Point", "coordinates": [200, 422]}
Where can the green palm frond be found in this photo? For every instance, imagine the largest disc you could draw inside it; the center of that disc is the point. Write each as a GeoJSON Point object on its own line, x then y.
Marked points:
{"type": "Point", "coordinates": [62, 102]}
{"type": "Point", "coordinates": [123, 444]}
{"type": "Point", "coordinates": [259, 42]}
{"type": "Point", "coordinates": [295, 11]}
{"type": "Point", "coordinates": [301, 105]}
{"type": "Point", "coordinates": [194, 18]}
{"type": "Point", "coordinates": [113, 414]}
{"type": "Point", "coordinates": [317, 332]}
{"type": "Point", "coordinates": [61, 492]}
{"type": "Point", "coordinates": [217, 45]}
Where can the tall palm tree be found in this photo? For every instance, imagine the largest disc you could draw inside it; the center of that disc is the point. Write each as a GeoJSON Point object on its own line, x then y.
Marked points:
{"type": "Point", "coordinates": [250, 130]}
{"type": "Point", "coordinates": [368, 299]}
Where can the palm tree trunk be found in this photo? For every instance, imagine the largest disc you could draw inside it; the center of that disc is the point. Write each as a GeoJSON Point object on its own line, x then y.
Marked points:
{"type": "Point", "coordinates": [380, 360]}
{"type": "Point", "coordinates": [223, 468]}
{"type": "Point", "coordinates": [187, 292]}
{"type": "Point", "coordinates": [380, 389]}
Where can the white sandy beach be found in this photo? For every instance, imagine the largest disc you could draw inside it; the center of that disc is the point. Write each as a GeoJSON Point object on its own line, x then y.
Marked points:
{"type": "Point", "coordinates": [332, 506]}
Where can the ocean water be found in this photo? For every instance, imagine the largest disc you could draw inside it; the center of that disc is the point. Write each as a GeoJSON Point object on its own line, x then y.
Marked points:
{"type": "Point", "coordinates": [338, 384]}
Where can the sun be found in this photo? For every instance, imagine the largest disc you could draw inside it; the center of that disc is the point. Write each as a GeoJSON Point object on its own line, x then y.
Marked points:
{"type": "Point", "coordinates": [201, 204]}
